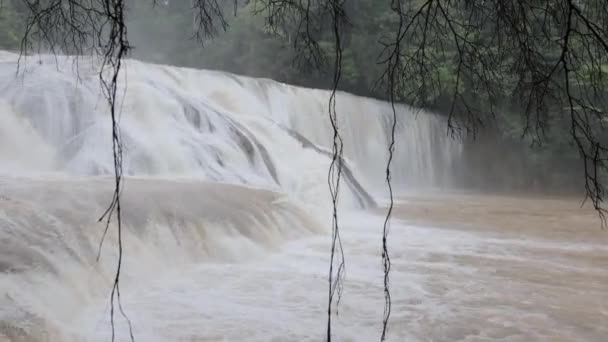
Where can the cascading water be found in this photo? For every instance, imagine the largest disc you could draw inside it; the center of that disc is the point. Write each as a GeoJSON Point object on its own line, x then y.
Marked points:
{"type": "Point", "coordinates": [210, 125]}
{"type": "Point", "coordinates": [219, 167]}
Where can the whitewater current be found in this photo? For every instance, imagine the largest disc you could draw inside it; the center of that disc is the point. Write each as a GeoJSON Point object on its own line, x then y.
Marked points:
{"type": "Point", "coordinates": [218, 168]}
{"type": "Point", "coordinates": [225, 208]}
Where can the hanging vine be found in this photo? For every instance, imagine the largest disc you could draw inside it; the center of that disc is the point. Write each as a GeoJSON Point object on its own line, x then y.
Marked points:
{"type": "Point", "coordinates": [335, 280]}
{"type": "Point", "coordinates": [391, 75]}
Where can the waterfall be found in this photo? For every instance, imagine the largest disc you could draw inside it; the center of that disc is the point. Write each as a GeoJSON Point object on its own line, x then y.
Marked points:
{"type": "Point", "coordinates": [208, 125]}
{"type": "Point", "coordinates": [217, 166]}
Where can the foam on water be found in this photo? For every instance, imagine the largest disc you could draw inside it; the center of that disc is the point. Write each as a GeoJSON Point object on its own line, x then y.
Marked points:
{"type": "Point", "coordinates": [281, 296]}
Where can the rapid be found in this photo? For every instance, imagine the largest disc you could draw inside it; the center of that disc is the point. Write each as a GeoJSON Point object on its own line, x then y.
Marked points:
{"type": "Point", "coordinates": [226, 216]}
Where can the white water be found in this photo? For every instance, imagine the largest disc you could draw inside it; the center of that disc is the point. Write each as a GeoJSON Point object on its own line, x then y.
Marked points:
{"type": "Point", "coordinates": [225, 210]}
{"type": "Point", "coordinates": [220, 168]}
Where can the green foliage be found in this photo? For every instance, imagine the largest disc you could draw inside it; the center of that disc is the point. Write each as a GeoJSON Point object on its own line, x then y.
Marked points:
{"type": "Point", "coordinates": [10, 26]}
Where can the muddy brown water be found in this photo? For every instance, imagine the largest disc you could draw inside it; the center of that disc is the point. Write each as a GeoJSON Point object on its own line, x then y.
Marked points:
{"type": "Point", "coordinates": [541, 273]}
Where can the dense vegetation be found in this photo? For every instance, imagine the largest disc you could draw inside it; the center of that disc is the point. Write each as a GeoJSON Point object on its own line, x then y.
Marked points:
{"type": "Point", "coordinates": [10, 29]}
{"type": "Point", "coordinates": [250, 47]}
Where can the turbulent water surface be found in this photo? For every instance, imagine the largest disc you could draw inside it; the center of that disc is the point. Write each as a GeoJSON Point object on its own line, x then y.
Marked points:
{"type": "Point", "coordinates": [226, 217]}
